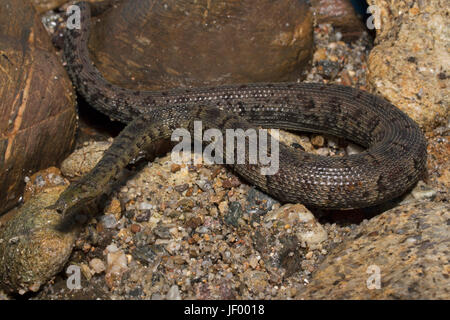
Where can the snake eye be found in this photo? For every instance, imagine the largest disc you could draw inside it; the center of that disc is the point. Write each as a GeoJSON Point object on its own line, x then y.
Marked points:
{"type": "Point", "coordinates": [59, 206]}
{"type": "Point", "coordinates": [54, 207]}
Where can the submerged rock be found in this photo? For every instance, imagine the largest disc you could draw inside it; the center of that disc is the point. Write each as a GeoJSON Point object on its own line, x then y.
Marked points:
{"type": "Point", "coordinates": [34, 245]}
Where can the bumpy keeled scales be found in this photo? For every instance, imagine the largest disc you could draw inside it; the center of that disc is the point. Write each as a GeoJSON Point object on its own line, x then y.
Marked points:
{"type": "Point", "coordinates": [393, 162]}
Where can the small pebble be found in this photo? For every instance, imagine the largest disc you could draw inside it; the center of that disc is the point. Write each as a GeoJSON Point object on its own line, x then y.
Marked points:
{"type": "Point", "coordinates": [353, 149]}
{"type": "Point", "coordinates": [423, 191]}
{"type": "Point", "coordinates": [174, 293]}
{"type": "Point", "coordinates": [318, 141]}
{"type": "Point", "coordinates": [97, 265]}
{"type": "Point", "coordinates": [135, 228]}
{"type": "Point", "coordinates": [108, 221]}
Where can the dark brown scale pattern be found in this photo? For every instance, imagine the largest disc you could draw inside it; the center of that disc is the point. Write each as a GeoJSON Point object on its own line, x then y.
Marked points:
{"type": "Point", "coordinates": [393, 162]}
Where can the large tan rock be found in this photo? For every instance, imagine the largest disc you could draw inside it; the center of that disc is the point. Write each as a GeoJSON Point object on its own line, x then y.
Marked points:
{"type": "Point", "coordinates": [406, 246]}
{"type": "Point", "coordinates": [194, 43]}
{"type": "Point", "coordinates": [37, 103]}
{"type": "Point", "coordinates": [409, 65]}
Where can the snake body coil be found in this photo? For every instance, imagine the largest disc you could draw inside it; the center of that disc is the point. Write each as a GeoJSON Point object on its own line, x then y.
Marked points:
{"type": "Point", "coordinates": [394, 159]}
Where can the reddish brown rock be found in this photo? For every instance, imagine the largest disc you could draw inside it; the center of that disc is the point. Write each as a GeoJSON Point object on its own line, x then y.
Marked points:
{"type": "Point", "coordinates": [197, 43]}
{"type": "Point", "coordinates": [37, 114]}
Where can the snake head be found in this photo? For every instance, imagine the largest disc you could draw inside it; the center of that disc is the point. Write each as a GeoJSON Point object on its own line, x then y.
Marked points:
{"type": "Point", "coordinates": [73, 198]}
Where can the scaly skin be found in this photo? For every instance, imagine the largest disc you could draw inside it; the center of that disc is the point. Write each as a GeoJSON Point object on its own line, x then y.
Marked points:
{"type": "Point", "coordinates": [393, 162]}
